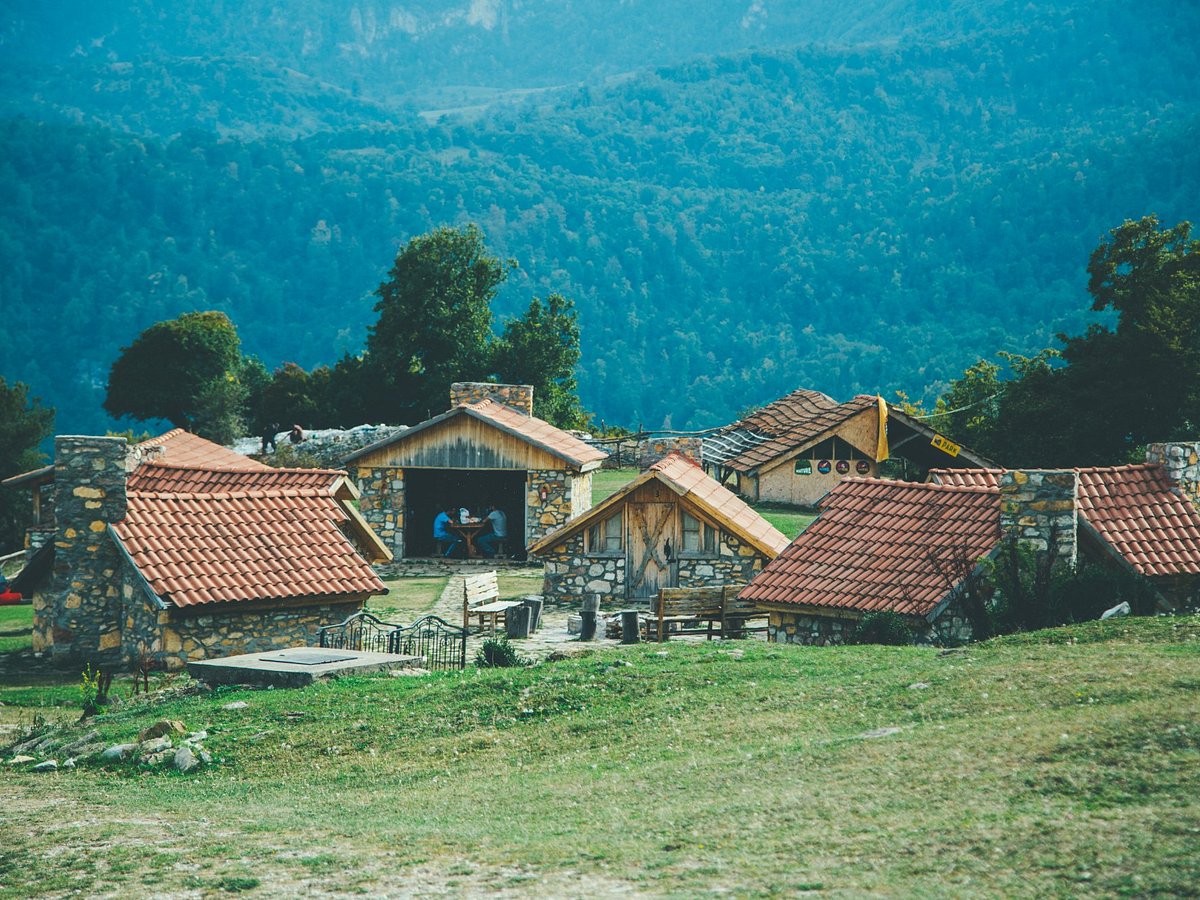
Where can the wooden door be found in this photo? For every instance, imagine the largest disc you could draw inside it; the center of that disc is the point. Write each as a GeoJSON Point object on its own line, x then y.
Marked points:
{"type": "Point", "coordinates": [648, 568]}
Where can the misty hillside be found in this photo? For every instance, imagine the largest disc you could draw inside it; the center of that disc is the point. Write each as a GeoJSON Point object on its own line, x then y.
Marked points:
{"type": "Point", "coordinates": [850, 196]}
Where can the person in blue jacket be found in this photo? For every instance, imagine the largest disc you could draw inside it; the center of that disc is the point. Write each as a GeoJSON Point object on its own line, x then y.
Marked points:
{"type": "Point", "coordinates": [442, 533]}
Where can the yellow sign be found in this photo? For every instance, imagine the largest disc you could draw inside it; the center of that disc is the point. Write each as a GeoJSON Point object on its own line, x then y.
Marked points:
{"type": "Point", "coordinates": [946, 445]}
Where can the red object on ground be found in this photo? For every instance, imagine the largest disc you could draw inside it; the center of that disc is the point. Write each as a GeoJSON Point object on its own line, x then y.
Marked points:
{"type": "Point", "coordinates": [9, 598]}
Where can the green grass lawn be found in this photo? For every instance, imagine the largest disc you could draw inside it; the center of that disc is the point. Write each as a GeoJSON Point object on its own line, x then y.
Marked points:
{"type": "Point", "coordinates": [790, 522]}
{"type": "Point", "coordinates": [16, 623]}
{"type": "Point", "coordinates": [407, 598]}
{"type": "Point", "coordinates": [606, 482]}
{"type": "Point", "coordinates": [1060, 763]}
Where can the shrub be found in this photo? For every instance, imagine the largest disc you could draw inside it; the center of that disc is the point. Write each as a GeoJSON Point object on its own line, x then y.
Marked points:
{"type": "Point", "coordinates": [886, 628]}
{"type": "Point", "coordinates": [498, 653]}
{"type": "Point", "coordinates": [93, 690]}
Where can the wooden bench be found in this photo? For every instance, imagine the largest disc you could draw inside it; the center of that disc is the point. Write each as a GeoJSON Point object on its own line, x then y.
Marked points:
{"type": "Point", "coordinates": [735, 613]}
{"type": "Point", "coordinates": [692, 610]}
{"type": "Point", "coordinates": [481, 597]}
{"type": "Point", "coordinates": [700, 610]}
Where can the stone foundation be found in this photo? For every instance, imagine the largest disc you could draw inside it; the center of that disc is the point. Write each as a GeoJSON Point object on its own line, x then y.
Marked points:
{"type": "Point", "coordinates": [571, 573]}
{"type": "Point", "coordinates": [950, 629]}
{"type": "Point", "coordinates": [171, 638]}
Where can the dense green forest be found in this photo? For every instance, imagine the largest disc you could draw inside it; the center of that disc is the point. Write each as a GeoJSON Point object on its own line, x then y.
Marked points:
{"type": "Point", "coordinates": [900, 190]}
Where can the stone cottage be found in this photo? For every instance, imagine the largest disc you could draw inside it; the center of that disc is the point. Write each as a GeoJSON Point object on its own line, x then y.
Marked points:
{"type": "Point", "coordinates": [489, 448]}
{"type": "Point", "coordinates": [672, 526]}
{"type": "Point", "coordinates": [910, 548]}
{"type": "Point", "coordinates": [1143, 519]}
{"type": "Point", "coordinates": [178, 549]}
{"type": "Point", "coordinates": [800, 447]}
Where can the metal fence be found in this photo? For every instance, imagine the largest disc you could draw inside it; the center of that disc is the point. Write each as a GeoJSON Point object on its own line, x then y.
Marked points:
{"type": "Point", "coordinates": [443, 646]}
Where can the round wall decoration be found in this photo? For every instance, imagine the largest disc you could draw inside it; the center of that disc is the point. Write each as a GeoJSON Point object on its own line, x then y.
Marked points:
{"type": "Point", "coordinates": [843, 466]}
{"type": "Point", "coordinates": [862, 467]}
{"type": "Point", "coordinates": [824, 467]}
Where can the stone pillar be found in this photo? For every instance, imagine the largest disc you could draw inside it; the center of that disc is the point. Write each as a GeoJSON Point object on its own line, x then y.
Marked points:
{"type": "Point", "coordinates": [1039, 506]}
{"type": "Point", "coordinates": [518, 396]}
{"type": "Point", "coordinates": [1182, 464]}
{"type": "Point", "coordinates": [81, 613]}
{"type": "Point", "coordinates": [543, 514]}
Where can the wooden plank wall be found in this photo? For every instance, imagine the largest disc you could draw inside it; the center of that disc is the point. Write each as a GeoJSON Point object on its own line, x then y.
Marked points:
{"type": "Point", "coordinates": [464, 443]}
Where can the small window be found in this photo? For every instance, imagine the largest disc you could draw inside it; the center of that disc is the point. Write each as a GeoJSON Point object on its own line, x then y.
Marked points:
{"type": "Point", "coordinates": [605, 537]}
{"type": "Point", "coordinates": [698, 536]}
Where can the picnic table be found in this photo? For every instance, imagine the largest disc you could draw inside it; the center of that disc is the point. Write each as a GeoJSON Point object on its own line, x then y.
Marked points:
{"type": "Point", "coordinates": [469, 531]}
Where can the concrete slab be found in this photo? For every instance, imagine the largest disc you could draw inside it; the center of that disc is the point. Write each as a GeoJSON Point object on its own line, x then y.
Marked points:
{"type": "Point", "coordinates": [297, 667]}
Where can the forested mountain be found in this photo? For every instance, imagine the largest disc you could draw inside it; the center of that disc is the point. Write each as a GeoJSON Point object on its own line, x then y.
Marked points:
{"type": "Point", "coordinates": [871, 199]}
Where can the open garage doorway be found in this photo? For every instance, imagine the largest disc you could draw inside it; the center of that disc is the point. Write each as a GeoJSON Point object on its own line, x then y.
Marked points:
{"type": "Point", "coordinates": [429, 490]}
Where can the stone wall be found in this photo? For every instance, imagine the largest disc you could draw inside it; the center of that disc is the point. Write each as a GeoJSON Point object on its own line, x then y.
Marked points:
{"type": "Point", "coordinates": [570, 572]}
{"type": "Point", "coordinates": [78, 615]}
{"type": "Point", "coordinates": [518, 396]}
{"type": "Point", "coordinates": [651, 450]}
{"type": "Point", "coordinates": [951, 628]}
{"type": "Point", "coordinates": [1038, 506]}
{"type": "Point", "coordinates": [382, 503]}
{"type": "Point", "coordinates": [1182, 464]}
{"type": "Point", "coordinates": [170, 638]}
{"type": "Point", "coordinates": [734, 563]}
{"type": "Point", "coordinates": [562, 489]}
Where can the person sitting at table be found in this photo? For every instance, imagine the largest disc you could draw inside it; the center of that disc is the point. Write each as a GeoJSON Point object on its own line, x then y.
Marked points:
{"type": "Point", "coordinates": [495, 532]}
{"type": "Point", "coordinates": [445, 538]}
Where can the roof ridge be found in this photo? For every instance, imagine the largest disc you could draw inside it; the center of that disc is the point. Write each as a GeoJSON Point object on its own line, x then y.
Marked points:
{"type": "Point", "coordinates": [259, 494]}
{"type": "Point", "coordinates": [159, 464]}
{"type": "Point", "coordinates": [923, 485]}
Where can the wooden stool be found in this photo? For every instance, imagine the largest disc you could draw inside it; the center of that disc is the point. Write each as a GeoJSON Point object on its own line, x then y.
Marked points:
{"type": "Point", "coordinates": [500, 549]}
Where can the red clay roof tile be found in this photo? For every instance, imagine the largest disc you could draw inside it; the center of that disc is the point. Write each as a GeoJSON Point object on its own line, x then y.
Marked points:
{"type": "Point", "coordinates": [1134, 509]}
{"type": "Point", "coordinates": [855, 556]}
{"type": "Point", "coordinates": [791, 422]}
{"type": "Point", "coordinates": [206, 525]}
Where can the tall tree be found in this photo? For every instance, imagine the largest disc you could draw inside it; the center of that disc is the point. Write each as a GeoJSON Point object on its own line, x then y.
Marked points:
{"type": "Point", "coordinates": [434, 324]}
{"type": "Point", "coordinates": [26, 424]}
{"type": "Point", "coordinates": [1119, 388]}
{"type": "Point", "coordinates": [186, 371]}
{"type": "Point", "coordinates": [541, 348]}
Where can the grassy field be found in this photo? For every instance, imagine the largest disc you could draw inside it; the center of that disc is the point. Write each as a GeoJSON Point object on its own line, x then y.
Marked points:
{"type": "Point", "coordinates": [1060, 763]}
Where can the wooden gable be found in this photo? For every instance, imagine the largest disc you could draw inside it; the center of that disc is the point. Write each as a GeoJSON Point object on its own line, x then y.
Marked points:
{"type": "Point", "coordinates": [462, 442]}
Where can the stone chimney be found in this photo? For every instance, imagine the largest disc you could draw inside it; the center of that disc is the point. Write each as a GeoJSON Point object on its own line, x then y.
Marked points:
{"type": "Point", "coordinates": [1182, 464]}
{"type": "Point", "coordinates": [79, 616]}
{"type": "Point", "coordinates": [1039, 506]}
{"type": "Point", "coordinates": [518, 396]}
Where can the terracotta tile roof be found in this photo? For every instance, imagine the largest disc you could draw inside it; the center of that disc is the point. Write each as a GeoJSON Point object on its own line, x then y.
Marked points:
{"type": "Point", "coordinates": [1134, 509]}
{"type": "Point", "coordinates": [202, 547]}
{"type": "Point", "coordinates": [989, 478]}
{"type": "Point", "coordinates": [870, 547]}
{"type": "Point", "coordinates": [155, 477]}
{"type": "Point", "coordinates": [791, 422]}
{"type": "Point", "coordinates": [729, 510]}
{"type": "Point", "coordinates": [182, 448]}
{"type": "Point", "coordinates": [533, 430]}
{"type": "Point", "coordinates": [685, 478]}
{"type": "Point", "coordinates": [1136, 512]}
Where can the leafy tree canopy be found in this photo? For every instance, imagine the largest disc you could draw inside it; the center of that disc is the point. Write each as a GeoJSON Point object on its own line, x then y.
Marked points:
{"type": "Point", "coordinates": [542, 349]}
{"type": "Point", "coordinates": [186, 371]}
{"type": "Point", "coordinates": [26, 424]}
{"type": "Point", "coordinates": [435, 321]}
{"type": "Point", "coordinates": [1118, 388]}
